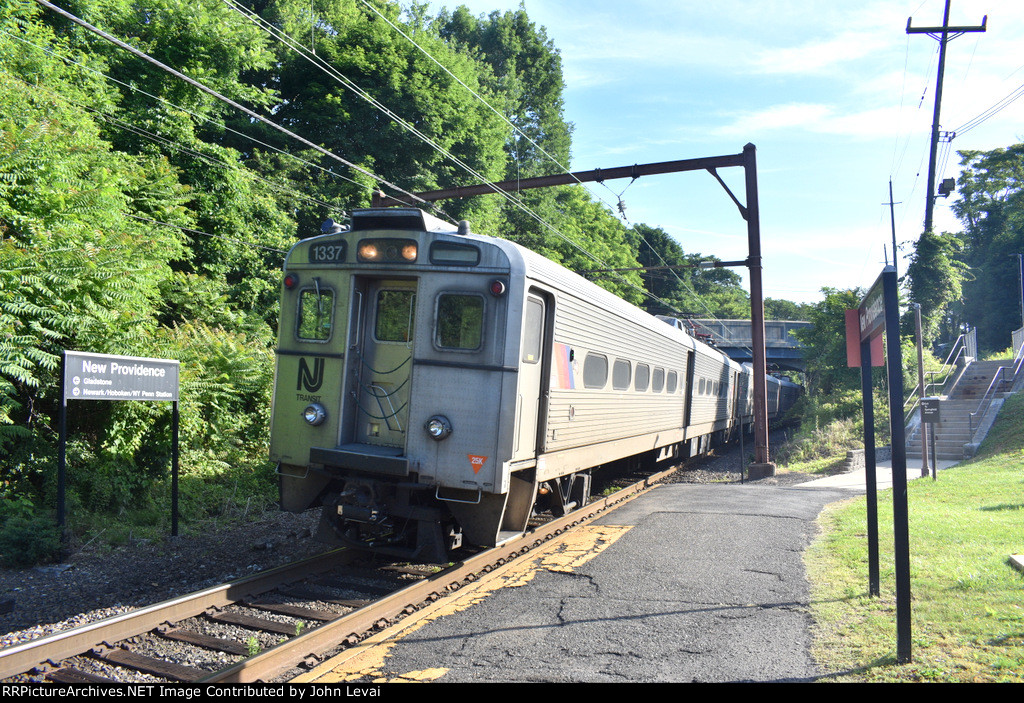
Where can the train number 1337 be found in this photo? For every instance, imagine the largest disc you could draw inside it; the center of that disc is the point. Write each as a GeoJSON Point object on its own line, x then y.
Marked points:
{"type": "Point", "coordinates": [322, 253]}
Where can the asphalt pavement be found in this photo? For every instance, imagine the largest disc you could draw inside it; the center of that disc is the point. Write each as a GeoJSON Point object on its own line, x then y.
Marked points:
{"type": "Point", "coordinates": [686, 583]}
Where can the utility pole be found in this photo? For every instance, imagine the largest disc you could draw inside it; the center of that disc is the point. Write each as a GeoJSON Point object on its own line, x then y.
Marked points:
{"type": "Point", "coordinates": [943, 34]}
{"type": "Point", "coordinates": [892, 220]}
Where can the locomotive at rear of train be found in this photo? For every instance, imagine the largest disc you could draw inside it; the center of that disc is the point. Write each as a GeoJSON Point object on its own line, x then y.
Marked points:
{"type": "Point", "coordinates": [434, 385]}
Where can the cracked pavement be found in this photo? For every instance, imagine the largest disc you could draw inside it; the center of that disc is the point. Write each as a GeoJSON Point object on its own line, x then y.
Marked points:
{"type": "Point", "coordinates": [700, 582]}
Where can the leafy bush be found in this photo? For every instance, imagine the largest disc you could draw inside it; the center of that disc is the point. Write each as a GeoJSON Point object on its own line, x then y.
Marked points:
{"type": "Point", "coordinates": [25, 537]}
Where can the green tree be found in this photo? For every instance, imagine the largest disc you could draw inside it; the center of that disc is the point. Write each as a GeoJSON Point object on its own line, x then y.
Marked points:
{"type": "Point", "coordinates": [526, 78]}
{"type": "Point", "coordinates": [934, 280]}
{"type": "Point", "coordinates": [384, 103]}
{"type": "Point", "coordinates": [825, 344]}
{"type": "Point", "coordinates": [990, 204]}
{"type": "Point", "coordinates": [689, 289]}
{"type": "Point", "coordinates": [775, 309]}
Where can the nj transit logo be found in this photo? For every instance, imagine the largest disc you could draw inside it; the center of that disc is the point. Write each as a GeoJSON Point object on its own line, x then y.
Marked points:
{"type": "Point", "coordinates": [310, 380]}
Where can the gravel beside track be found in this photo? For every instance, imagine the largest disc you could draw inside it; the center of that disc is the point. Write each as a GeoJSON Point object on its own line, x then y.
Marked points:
{"type": "Point", "coordinates": [98, 581]}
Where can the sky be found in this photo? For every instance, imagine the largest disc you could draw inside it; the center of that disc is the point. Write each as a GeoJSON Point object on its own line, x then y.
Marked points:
{"type": "Point", "coordinates": [837, 98]}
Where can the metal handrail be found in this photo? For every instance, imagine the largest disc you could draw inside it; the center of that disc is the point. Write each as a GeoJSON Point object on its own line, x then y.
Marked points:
{"type": "Point", "coordinates": [999, 376]}
{"type": "Point", "coordinates": [959, 349]}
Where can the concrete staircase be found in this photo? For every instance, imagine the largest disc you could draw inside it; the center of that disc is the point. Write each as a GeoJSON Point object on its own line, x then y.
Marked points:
{"type": "Point", "coordinates": [953, 431]}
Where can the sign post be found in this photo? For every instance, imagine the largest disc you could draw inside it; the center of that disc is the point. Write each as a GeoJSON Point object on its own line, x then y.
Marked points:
{"type": "Point", "coordinates": [931, 416]}
{"type": "Point", "coordinates": [879, 312]}
{"type": "Point", "coordinates": [86, 376]}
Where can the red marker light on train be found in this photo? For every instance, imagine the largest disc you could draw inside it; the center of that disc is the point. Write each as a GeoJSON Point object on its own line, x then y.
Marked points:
{"type": "Point", "coordinates": [290, 281]}
{"type": "Point", "coordinates": [497, 288]}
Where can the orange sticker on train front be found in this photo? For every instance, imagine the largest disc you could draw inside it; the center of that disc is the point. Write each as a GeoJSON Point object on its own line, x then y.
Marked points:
{"type": "Point", "coordinates": [477, 462]}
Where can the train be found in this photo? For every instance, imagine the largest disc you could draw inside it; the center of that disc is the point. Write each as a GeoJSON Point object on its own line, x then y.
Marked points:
{"type": "Point", "coordinates": [434, 387]}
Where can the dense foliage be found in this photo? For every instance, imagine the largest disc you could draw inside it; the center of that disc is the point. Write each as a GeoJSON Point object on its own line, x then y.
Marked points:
{"type": "Point", "coordinates": [142, 216]}
{"type": "Point", "coordinates": [972, 278]}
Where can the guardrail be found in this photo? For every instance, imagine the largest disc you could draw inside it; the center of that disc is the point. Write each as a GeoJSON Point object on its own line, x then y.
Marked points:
{"type": "Point", "coordinates": [998, 381]}
{"type": "Point", "coordinates": [961, 349]}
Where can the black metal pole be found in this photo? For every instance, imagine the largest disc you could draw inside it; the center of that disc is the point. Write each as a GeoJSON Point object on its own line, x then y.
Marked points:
{"type": "Point", "coordinates": [1020, 265]}
{"type": "Point", "coordinates": [761, 458]}
{"type": "Point", "coordinates": [930, 203]}
{"type": "Point", "coordinates": [174, 470]}
{"type": "Point", "coordinates": [892, 221]}
{"type": "Point", "coordinates": [62, 449]}
{"type": "Point", "coordinates": [900, 515]}
{"type": "Point", "coordinates": [870, 472]}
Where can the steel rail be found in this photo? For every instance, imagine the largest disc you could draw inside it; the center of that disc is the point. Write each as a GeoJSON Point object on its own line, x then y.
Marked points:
{"type": "Point", "coordinates": [21, 658]}
{"type": "Point", "coordinates": [353, 627]}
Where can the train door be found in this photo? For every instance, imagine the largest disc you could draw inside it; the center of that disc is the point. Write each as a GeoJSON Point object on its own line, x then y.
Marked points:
{"type": "Point", "coordinates": [530, 401]}
{"type": "Point", "coordinates": [380, 369]}
{"type": "Point", "coordinates": [688, 388]}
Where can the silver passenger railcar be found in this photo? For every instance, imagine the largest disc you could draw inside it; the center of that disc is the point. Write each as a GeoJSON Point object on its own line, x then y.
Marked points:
{"type": "Point", "coordinates": [432, 385]}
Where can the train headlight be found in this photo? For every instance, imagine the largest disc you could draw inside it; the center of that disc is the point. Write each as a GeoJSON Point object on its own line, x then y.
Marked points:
{"type": "Point", "coordinates": [390, 251]}
{"type": "Point", "coordinates": [368, 251]}
{"type": "Point", "coordinates": [438, 427]}
{"type": "Point", "coordinates": [314, 414]}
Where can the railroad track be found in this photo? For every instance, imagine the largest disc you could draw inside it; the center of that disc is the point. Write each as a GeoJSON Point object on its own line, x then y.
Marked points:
{"type": "Point", "coordinates": [281, 622]}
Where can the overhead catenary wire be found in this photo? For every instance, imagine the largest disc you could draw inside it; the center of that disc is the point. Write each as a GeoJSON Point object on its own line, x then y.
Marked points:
{"type": "Point", "coordinates": [620, 206]}
{"type": "Point", "coordinates": [356, 89]}
{"type": "Point", "coordinates": [190, 230]}
{"type": "Point", "coordinates": [219, 96]}
{"type": "Point", "coordinates": [325, 152]}
{"type": "Point", "coordinates": [169, 143]}
{"type": "Point", "coordinates": [475, 94]}
{"type": "Point", "coordinates": [184, 110]}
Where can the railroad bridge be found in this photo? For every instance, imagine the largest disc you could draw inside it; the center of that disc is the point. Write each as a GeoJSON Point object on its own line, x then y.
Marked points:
{"type": "Point", "coordinates": [782, 349]}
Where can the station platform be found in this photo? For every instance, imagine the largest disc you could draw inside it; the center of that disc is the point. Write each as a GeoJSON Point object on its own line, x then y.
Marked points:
{"type": "Point", "coordinates": [686, 583]}
{"type": "Point", "coordinates": [857, 480]}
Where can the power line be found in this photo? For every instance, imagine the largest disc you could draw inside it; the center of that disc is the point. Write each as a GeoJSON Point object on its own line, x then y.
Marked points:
{"type": "Point", "coordinates": [213, 93]}
{"type": "Point", "coordinates": [564, 168]}
{"type": "Point", "coordinates": [169, 143]}
{"type": "Point", "coordinates": [325, 152]}
{"type": "Point", "coordinates": [205, 234]}
{"type": "Point", "coordinates": [201, 118]}
{"type": "Point", "coordinates": [991, 112]}
{"type": "Point", "coordinates": [355, 88]}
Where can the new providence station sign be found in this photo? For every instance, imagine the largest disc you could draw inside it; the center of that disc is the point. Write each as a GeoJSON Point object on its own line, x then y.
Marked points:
{"type": "Point", "coordinates": [106, 377]}
{"type": "Point", "coordinates": [86, 376]}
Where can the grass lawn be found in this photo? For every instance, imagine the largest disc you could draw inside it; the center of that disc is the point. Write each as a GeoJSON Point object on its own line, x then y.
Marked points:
{"type": "Point", "coordinates": [967, 600]}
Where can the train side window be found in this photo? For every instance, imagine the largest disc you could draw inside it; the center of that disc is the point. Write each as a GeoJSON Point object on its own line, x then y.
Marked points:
{"type": "Point", "coordinates": [394, 315]}
{"type": "Point", "coordinates": [642, 377]}
{"type": "Point", "coordinates": [622, 373]}
{"type": "Point", "coordinates": [460, 321]}
{"type": "Point", "coordinates": [673, 382]}
{"type": "Point", "coordinates": [533, 332]}
{"type": "Point", "coordinates": [316, 314]}
{"type": "Point", "coordinates": [658, 382]}
{"type": "Point", "coordinates": [595, 371]}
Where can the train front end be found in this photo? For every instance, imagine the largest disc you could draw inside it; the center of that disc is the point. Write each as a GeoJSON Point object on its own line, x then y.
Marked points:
{"type": "Point", "coordinates": [393, 377]}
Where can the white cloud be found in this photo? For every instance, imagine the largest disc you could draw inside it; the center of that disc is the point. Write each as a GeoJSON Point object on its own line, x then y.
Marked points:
{"type": "Point", "coordinates": [819, 56]}
{"type": "Point", "coordinates": [883, 122]}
